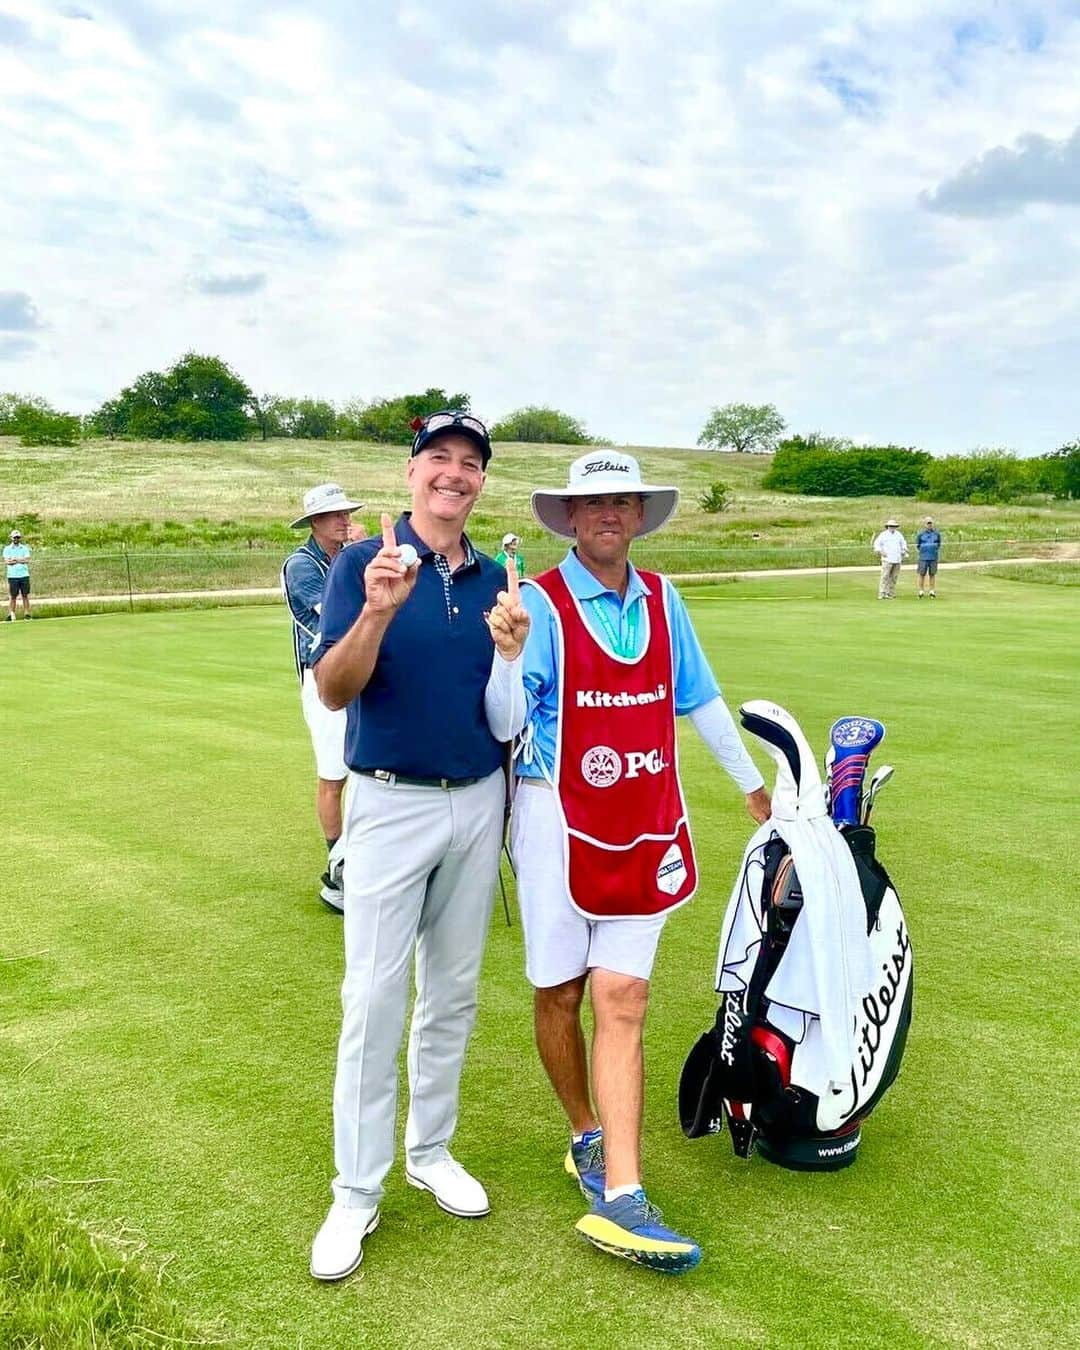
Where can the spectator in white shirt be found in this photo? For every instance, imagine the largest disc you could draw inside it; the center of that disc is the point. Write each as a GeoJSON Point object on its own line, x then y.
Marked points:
{"type": "Point", "coordinates": [891, 547]}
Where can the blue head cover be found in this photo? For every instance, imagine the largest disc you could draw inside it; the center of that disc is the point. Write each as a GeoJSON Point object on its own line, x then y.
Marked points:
{"type": "Point", "coordinates": [852, 739]}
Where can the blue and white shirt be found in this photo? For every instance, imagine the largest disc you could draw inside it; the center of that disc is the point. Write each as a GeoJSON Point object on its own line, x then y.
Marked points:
{"type": "Point", "coordinates": [15, 556]}
{"type": "Point", "coordinates": [928, 542]}
{"type": "Point", "coordinates": [695, 684]}
{"type": "Point", "coordinates": [303, 577]}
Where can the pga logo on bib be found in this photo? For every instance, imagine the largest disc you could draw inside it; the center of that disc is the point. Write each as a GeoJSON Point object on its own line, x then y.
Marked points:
{"type": "Point", "coordinates": [602, 767]}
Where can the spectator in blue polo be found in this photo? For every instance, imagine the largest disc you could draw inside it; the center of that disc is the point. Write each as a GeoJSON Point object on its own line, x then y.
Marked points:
{"type": "Point", "coordinates": [928, 548]}
{"type": "Point", "coordinates": [327, 516]}
{"type": "Point", "coordinates": [421, 640]}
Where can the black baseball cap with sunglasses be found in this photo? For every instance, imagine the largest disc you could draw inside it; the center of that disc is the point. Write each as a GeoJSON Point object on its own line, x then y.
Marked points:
{"type": "Point", "coordinates": [450, 420]}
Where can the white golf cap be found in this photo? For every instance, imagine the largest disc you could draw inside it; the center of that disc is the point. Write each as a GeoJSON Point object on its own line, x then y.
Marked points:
{"type": "Point", "coordinates": [929, 520]}
{"type": "Point", "coordinates": [890, 522]}
{"type": "Point", "coordinates": [16, 534]}
{"type": "Point", "coordinates": [319, 500]}
{"type": "Point", "coordinates": [596, 474]}
{"type": "Point", "coordinates": [510, 539]}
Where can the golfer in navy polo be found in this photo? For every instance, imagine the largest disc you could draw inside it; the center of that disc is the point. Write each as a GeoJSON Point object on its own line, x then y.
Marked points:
{"type": "Point", "coordinates": [406, 645]}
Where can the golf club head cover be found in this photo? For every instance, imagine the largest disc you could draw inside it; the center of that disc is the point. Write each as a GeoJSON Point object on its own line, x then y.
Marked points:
{"type": "Point", "coordinates": [853, 739]}
{"type": "Point", "coordinates": [798, 790]}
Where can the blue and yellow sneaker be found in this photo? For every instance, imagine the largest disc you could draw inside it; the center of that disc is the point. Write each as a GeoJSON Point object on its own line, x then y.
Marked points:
{"type": "Point", "coordinates": [585, 1163]}
{"type": "Point", "coordinates": [630, 1227]}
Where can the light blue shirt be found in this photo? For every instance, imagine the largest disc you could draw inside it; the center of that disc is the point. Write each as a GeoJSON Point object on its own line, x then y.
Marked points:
{"type": "Point", "coordinates": [14, 555]}
{"type": "Point", "coordinates": [694, 682]}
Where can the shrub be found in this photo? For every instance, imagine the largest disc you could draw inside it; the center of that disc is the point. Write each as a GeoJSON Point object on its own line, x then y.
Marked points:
{"type": "Point", "coordinates": [716, 499]}
{"type": "Point", "coordinates": [813, 466]}
{"type": "Point", "coordinates": [985, 477]}
{"type": "Point", "coordinates": [48, 428]}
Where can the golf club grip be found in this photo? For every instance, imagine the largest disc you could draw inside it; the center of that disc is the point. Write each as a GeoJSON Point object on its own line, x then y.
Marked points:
{"type": "Point", "coordinates": [768, 731]}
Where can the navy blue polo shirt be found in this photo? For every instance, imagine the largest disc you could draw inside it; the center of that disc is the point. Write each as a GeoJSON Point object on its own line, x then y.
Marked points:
{"type": "Point", "coordinates": [422, 712]}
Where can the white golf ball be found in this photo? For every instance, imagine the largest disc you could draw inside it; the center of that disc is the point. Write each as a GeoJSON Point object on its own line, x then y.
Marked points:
{"type": "Point", "coordinates": [409, 555]}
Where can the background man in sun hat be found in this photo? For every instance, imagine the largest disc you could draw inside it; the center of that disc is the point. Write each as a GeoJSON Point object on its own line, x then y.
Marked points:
{"type": "Point", "coordinates": [421, 640]}
{"type": "Point", "coordinates": [17, 561]}
{"type": "Point", "coordinates": [327, 516]}
{"type": "Point", "coordinates": [928, 551]}
{"type": "Point", "coordinates": [600, 834]}
{"type": "Point", "coordinates": [511, 548]}
{"type": "Point", "coordinates": [891, 547]}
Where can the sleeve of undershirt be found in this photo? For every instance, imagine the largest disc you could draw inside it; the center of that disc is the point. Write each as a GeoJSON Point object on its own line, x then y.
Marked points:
{"type": "Point", "coordinates": [504, 697]}
{"type": "Point", "coordinates": [715, 725]}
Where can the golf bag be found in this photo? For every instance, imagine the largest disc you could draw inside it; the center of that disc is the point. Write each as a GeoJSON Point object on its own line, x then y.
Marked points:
{"type": "Point", "coordinates": [755, 1069]}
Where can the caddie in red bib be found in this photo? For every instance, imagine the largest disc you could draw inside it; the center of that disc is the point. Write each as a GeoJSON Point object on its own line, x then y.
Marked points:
{"type": "Point", "coordinates": [599, 833]}
{"type": "Point", "coordinates": [628, 847]}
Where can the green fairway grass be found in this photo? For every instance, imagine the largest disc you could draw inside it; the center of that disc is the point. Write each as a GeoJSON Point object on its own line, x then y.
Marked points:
{"type": "Point", "coordinates": [169, 1001]}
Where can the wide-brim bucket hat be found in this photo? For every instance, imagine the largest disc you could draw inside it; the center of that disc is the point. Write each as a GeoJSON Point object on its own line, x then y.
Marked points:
{"type": "Point", "coordinates": [319, 500]}
{"type": "Point", "coordinates": [597, 474]}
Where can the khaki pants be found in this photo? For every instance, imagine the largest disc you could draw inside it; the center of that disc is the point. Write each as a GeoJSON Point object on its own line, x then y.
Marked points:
{"type": "Point", "coordinates": [887, 584]}
{"type": "Point", "coordinates": [420, 871]}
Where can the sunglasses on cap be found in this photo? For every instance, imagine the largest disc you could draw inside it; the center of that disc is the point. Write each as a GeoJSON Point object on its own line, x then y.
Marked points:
{"type": "Point", "coordinates": [448, 420]}
{"type": "Point", "coordinates": [441, 420]}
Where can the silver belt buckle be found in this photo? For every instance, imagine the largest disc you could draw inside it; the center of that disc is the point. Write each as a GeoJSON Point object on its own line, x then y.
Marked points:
{"type": "Point", "coordinates": [383, 776]}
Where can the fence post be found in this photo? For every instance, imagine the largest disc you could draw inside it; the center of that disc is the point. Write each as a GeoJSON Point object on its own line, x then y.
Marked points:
{"type": "Point", "coordinates": [826, 569]}
{"type": "Point", "coordinates": [127, 567]}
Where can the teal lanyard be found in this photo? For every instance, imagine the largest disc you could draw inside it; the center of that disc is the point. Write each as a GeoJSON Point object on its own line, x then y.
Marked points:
{"type": "Point", "coordinates": [627, 649]}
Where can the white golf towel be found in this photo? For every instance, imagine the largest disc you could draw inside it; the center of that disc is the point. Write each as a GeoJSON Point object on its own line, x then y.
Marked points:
{"type": "Point", "coordinates": [817, 988]}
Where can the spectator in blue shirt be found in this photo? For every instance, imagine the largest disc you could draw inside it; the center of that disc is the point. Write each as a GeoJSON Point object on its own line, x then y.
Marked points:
{"type": "Point", "coordinates": [327, 515]}
{"type": "Point", "coordinates": [928, 544]}
{"type": "Point", "coordinates": [409, 621]}
{"type": "Point", "coordinates": [17, 559]}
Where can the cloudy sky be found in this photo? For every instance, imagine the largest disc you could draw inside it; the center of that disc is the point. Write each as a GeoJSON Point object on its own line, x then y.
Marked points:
{"type": "Point", "coordinates": [864, 211]}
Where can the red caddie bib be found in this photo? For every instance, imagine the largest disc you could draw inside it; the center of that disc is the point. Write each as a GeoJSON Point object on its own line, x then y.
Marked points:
{"type": "Point", "coordinates": [625, 824]}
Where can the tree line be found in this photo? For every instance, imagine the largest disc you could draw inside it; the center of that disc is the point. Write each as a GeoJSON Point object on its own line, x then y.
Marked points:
{"type": "Point", "coordinates": [832, 466]}
{"type": "Point", "coordinates": [200, 398]}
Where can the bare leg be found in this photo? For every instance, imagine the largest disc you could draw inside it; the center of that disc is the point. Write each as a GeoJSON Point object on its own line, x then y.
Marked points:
{"type": "Point", "coordinates": [557, 1021]}
{"type": "Point", "coordinates": [619, 1005]}
{"type": "Point", "coordinates": [328, 806]}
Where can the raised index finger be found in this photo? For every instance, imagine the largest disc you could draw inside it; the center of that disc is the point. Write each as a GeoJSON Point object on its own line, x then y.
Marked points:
{"type": "Point", "coordinates": [388, 540]}
{"type": "Point", "coordinates": [513, 591]}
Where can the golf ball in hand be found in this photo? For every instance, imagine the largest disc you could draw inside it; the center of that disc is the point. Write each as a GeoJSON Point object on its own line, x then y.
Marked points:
{"type": "Point", "coordinates": [408, 555]}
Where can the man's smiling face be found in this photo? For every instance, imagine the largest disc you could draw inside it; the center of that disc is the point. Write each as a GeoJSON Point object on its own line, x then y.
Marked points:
{"type": "Point", "coordinates": [446, 478]}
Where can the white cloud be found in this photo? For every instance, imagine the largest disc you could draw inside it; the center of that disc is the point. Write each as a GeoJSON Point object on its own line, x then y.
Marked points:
{"type": "Point", "coordinates": [631, 211]}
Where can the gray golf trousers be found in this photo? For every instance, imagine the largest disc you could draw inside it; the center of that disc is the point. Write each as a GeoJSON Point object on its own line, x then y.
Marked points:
{"type": "Point", "coordinates": [420, 870]}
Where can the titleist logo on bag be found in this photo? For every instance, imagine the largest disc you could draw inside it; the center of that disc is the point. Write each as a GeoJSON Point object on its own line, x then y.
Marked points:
{"type": "Point", "coordinates": [601, 698]}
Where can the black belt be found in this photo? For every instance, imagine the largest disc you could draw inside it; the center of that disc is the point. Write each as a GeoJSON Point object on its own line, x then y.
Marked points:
{"type": "Point", "coordinates": [388, 776]}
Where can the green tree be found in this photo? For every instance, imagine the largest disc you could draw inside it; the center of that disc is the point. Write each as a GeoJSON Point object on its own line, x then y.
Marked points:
{"type": "Point", "coordinates": [200, 398]}
{"type": "Point", "coordinates": [542, 425]}
{"type": "Point", "coordinates": [311, 419]}
{"type": "Point", "coordinates": [745, 428]}
{"type": "Point", "coordinates": [717, 499]}
{"type": "Point", "coordinates": [265, 410]}
{"type": "Point", "coordinates": [386, 420]}
{"type": "Point", "coordinates": [1058, 472]}
{"type": "Point", "coordinates": [14, 408]}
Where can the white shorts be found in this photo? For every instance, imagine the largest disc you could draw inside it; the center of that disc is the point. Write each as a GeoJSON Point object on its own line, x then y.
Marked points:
{"type": "Point", "coordinates": [560, 943]}
{"type": "Point", "coordinates": [327, 732]}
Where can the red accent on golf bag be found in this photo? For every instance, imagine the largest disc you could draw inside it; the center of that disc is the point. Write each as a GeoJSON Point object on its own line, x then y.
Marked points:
{"type": "Point", "coordinates": [741, 1071]}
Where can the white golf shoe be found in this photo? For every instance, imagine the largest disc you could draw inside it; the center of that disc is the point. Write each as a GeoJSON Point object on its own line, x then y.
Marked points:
{"type": "Point", "coordinates": [339, 1244]}
{"type": "Point", "coordinates": [453, 1188]}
